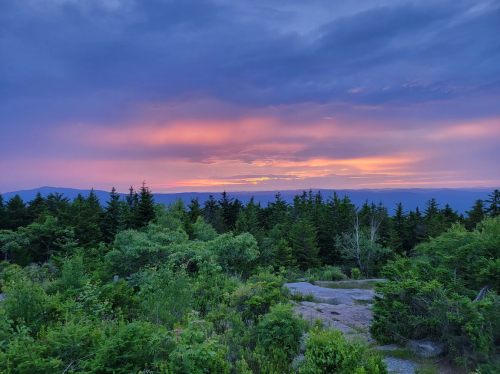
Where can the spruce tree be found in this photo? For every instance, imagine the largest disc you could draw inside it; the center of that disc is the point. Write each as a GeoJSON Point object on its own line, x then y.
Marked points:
{"type": "Point", "coordinates": [145, 208]}
{"type": "Point", "coordinates": [494, 201]}
{"type": "Point", "coordinates": [475, 215]}
{"type": "Point", "coordinates": [303, 239]}
{"type": "Point", "coordinates": [112, 216]}
{"type": "Point", "coordinates": [17, 214]}
{"type": "Point", "coordinates": [37, 207]}
{"type": "Point", "coordinates": [3, 214]}
{"type": "Point", "coordinates": [276, 212]}
{"type": "Point", "coordinates": [195, 210]}
{"type": "Point", "coordinates": [283, 256]}
{"type": "Point", "coordinates": [86, 216]}
{"type": "Point", "coordinates": [212, 214]}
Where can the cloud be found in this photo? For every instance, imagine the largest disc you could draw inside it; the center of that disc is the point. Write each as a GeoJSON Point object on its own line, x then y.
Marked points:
{"type": "Point", "coordinates": [102, 90]}
{"type": "Point", "coordinates": [356, 89]}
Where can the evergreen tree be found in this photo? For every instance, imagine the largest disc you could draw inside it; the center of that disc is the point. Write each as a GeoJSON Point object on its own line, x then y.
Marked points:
{"type": "Point", "coordinates": [399, 230]}
{"type": "Point", "coordinates": [303, 238]}
{"type": "Point", "coordinates": [276, 212]}
{"type": "Point", "coordinates": [195, 210]}
{"type": "Point", "coordinates": [230, 208]}
{"type": "Point", "coordinates": [475, 215]}
{"type": "Point", "coordinates": [86, 216]}
{"type": "Point", "coordinates": [145, 207]}
{"type": "Point", "coordinates": [3, 214]}
{"type": "Point", "coordinates": [283, 256]}
{"type": "Point", "coordinates": [494, 201]}
{"type": "Point", "coordinates": [113, 216]}
{"type": "Point", "coordinates": [132, 201]}
{"type": "Point", "coordinates": [431, 209]}
{"type": "Point", "coordinates": [17, 214]}
{"type": "Point", "coordinates": [58, 206]}
{"type": "Point", "coordinates": [37, 207]}
{"type": "Point", "coordinates": [248, 221]}
{"type": "Point", "coordinates": [212, 214]}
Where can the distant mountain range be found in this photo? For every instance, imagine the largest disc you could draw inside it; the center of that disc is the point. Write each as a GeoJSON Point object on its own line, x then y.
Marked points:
{"type": "Point", "coordinates": [460, 199]}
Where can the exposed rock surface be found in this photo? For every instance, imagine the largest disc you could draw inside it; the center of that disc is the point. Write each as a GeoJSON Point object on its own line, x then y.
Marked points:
{"type": "Point", "coordinates": [398, 366]}
{"type": "Point", "coordinates": [352, 320]}
{"type": "Point", "coordinates": [2, 297]}
{"type": "Point", "coordinates": [352, 281]}
{"type": "Point", "coordinates": [332, 296]}
{"type": "Point", "coordinates": [425, 348]}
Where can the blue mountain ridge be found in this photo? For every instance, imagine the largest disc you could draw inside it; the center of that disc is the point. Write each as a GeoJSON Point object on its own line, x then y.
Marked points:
{"type": "Point", "coordinates": [461, 199]}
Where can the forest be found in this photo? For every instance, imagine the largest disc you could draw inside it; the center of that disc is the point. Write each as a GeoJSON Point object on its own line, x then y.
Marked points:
{"type": "Point", "coordinates": [131, 286]}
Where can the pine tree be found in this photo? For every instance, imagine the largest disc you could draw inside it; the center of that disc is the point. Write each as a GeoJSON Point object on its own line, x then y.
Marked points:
{"type": "Point", "coordinates": [248, 221]}
{"type": "Point", "coordinates": [475, 215]}
{"type": "Point", "coordinates": [431, 209]}
{"type": "Point", "coordinates": [58, 206]}
{"type": "Point", "coordinates": [86, 214]}
{"type": "Point", "coordinates": [494, 201]}
{"type": "Point", "coordinates": [17, 214]}
{"type": "Point", "coordinates": [230, 208]}
{"type": "Point", "coordinates": [145, 207]}
{"type": "Point", "coordinates": [132, 201]}
{"type": "Point", "coordinates": [195, 210]}
{"type": "Point", "coordinates": [212, 214]}
{"type": "Point", "coordinates": [303, 238]}
{"type": "Point", "coordinates": [276, 212]}
{"type": "Point", "coordinates": [3, 214]}
{"type": "Point", "coordinates": [283, 256]}
{"type": "Point", "coordinates": [112, 216]}
{"type": "Point", "coordinates": [37, 207]}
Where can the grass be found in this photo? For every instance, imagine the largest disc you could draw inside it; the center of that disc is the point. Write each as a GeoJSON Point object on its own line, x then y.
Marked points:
{"type": "Point", "coordinates": [369, 285]}
{"type": "Point", "coordinates": [298, 297]}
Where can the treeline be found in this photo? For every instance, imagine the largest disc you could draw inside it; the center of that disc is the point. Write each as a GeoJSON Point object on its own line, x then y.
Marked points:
{"type": "Point", "coordinates": [310, 232]}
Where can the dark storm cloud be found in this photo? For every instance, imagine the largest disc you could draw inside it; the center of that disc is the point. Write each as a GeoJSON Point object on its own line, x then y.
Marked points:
{"type": "Point", "coordinates": [93, 59]}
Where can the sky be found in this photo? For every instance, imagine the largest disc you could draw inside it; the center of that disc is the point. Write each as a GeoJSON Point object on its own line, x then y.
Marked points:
{"type": "Point", "coordinates": [249, 95]}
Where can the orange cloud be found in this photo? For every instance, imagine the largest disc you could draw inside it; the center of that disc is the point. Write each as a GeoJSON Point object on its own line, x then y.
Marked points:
{"type": "Point", "coordinates": [480, 129]}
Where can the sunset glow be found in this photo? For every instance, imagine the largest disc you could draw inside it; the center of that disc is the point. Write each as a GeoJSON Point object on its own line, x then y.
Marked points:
{"type": "Point", "coordinates": [289, 101]}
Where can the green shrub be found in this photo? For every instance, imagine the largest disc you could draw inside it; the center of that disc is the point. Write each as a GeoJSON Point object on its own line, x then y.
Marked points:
{"type": "Point", "coordinates": [330, 352]}
{"type": "Point", "coordinates": [255, 299]}
{"type": "Point", "coordinates": [279, 329]}
{"type": "Point", "coordinates": [27, 303]}
{"type": "Point", "coordinates": [193, 350]}
{"type": "Point", "coordinates": [356, 274]}
{"type": "Point", "coordinates": [432, 295]}
{"type": "Point", "coordinates": [326, 273]}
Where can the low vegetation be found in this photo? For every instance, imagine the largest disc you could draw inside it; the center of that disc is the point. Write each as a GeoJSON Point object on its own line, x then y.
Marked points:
{"type": "Point", "coordinates": [139, 287]}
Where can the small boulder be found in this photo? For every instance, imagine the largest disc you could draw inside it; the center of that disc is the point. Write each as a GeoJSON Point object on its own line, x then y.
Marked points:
{"type": "Point", "coordinates": [425, 348]}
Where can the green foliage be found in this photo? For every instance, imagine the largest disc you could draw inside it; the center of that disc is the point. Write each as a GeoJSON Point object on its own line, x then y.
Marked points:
{"type": "Point", "coordinates": [256, 297]}
{"type": "Point", "coordinates": [433, 296]}
{"type": "Point", "coordinates": [135, 249]}
{"type": "Point", "coordinates": [330, 352]}
{"type": "Point", "coordinates": [166, 295]}
{"type": "Point", "coordinates": [236, 254]}
{"type": "Point", "coordinates": [279, 329]}
{"type": "Point", "coordinates": [326, 273]}
{"type": "Point", "coordinates": [26, 302]}
{"type": "Point", "coordinates": [194, 350]}
{"type": "Point", "coordinates": [203, 231]}
{"type": "Point", "coordinates": [356, 274]}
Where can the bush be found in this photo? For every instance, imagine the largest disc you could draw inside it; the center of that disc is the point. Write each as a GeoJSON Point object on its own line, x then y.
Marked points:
{"type": "Point", "coordinates": [279, 329]}
{"type": "Point", "coordinates": [326, 273]}
{"type": "Point", "coordinates": [27, 303]}
{"type": "Point", "coordinates": [330, 352]}
{"type": "Point", "coordinates": [255, 299]}
{"type": "Point", "coordinates": [356, 274]}
{"type": "Point", "coordinates": [432, 296]}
